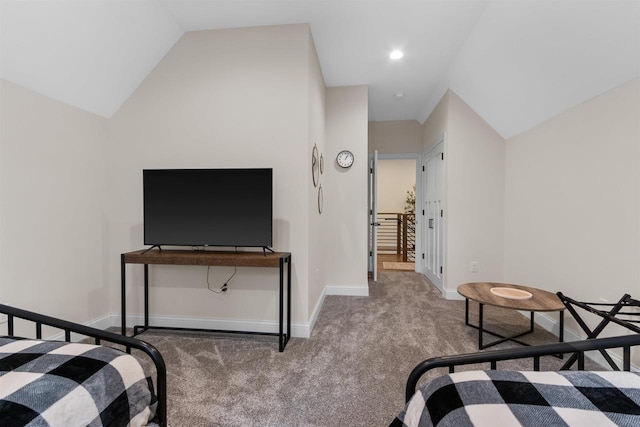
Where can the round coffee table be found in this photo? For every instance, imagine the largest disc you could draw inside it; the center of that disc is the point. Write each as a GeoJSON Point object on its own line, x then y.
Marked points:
{"type": "Point", "coordinates": [512, 297]}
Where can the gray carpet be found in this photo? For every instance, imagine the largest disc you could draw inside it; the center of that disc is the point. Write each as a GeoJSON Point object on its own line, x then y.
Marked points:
{"type": "Point", "coordinates": [351, 371]}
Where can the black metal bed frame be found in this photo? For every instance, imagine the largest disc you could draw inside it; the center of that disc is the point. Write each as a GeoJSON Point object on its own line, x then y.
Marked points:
{"type": "Point", "coordinates": [578, 348]}
{"type": "Point", "coordinates": [621, 313]}
{"type": "Point", "coordinates": [98, 336]}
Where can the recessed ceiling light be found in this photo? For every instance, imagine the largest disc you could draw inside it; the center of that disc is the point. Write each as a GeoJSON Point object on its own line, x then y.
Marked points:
{"type": "Point", "coordinates": [398, 95]}
{"type": "Point", "coordinates": [396, 54]}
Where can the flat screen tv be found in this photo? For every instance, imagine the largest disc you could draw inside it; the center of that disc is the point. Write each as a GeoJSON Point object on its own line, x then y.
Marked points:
{"type": "Point", "coordinates": [208, 207]}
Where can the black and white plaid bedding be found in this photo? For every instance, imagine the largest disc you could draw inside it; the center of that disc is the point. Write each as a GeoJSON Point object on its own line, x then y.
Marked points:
{"type": "Point", "coordinates": [509, 398]}
{"type": "Point", "coordinates": [52, 383]}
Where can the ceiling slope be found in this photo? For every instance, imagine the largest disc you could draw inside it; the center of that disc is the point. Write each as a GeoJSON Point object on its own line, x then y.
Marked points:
{"type": "Point", "coordinates": [516, 63]}
{"type": "Point", "coordinates": [89, 54]}
{"type": "Point", "coordinates": [354, 38]}
{"type": "Point", "coordinates": [526, 62]}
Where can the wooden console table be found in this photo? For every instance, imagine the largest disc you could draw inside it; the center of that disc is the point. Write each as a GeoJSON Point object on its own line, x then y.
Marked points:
{"type": "Point", "coordinates": [206, 258]}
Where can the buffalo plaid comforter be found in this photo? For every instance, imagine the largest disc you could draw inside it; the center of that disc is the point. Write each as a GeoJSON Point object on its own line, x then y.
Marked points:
{"type": "Point", "coordinates": [509, 398]}
{"type": "Point", "coordinates": [52, 383]}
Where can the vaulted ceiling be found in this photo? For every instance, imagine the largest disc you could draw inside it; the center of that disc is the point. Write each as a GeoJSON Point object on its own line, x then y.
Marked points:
{"type": "Point", "coordinates": [516, 63]}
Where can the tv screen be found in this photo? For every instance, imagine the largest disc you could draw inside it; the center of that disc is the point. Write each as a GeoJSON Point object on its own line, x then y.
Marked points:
{"type": "Point", "coordinates": [208, 207]}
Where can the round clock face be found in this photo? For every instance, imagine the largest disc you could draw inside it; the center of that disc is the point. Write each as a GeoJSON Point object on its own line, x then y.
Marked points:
{"type": "Point", "coordinates": [345, 159]}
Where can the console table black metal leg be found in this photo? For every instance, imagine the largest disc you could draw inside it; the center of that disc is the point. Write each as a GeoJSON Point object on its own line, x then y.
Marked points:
{"type": "Point", "coordinates": [138, 329]}
{"type": "Point", "coordinates": [480, 325]}
{"type": "Point", "coordinates": [123, 296]}
{"type": "Point", "coordinates": [289, 298]}
{"type": "Point", "coordinates": [146, 296]}
{"type": "Point", "coordinates": [281, 307]}
{"type": "Point", "coordinates": [283, 338]}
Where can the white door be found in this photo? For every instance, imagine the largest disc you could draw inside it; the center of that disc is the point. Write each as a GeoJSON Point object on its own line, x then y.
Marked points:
{"type": "Point", "coordinates": [373, 216]}
{"type": "Point", "coordinates": [433, 215]}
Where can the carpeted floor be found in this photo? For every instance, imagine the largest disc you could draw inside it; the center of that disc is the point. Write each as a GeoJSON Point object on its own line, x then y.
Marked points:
{"type": "Point", "coordinates": [352, 371]}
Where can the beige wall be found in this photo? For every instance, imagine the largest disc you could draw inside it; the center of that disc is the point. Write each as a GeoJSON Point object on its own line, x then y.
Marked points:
{"type": "Point", "coordinates": [345, 199]}
{"type": "Point", "coordinates": [437, 124]}
{"type": "Point", "coordinates": [556, 207]}
{"type": "Point", "coordinates": [474, 205]}
{"type": "Point", "coordinates": [475, 197]}
{"type": "Point", "coordinates": [317, 223]}
{"type": "Point", "coordinates": [220, 99]}
{"type": "Point", "coordinates": [573, 200]}
{"type": "Point", "coordinates": [395, 178]}
{"type": "Point", "coordinates": [395, 137]}
{"type": "Point", "coordinates": [264, 105]}
{"type": "Point", "coordinates": [52, 223]}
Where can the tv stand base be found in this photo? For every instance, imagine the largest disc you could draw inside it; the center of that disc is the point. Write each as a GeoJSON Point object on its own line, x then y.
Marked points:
{"type": "Point", "coordinates": [138, 329]}
{"type": "Point", "coordinates": [183, 257]}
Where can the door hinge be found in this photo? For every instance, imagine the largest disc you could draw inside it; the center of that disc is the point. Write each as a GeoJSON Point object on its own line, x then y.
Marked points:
{"type": "Point", "coordinates": [442, 156]}
{"type": "Point", "coordinates": [440, 269]}
{"type": "Point", "coordinates": [422, 168]}
{"type": "Point", "coordinates": [441, 213]}
{"type": "Point", "coordinates": [370, 253]}
{"type": "Point", "coordinates": [422, 256]}
{"type": "Point", "coordinates": [422, 211]}
{"type": "Point", "coordinates": [370, 170]}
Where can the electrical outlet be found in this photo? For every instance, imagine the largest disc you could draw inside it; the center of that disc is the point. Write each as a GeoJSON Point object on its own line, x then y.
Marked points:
{"type": "Point", "coordinates": [474, 266]}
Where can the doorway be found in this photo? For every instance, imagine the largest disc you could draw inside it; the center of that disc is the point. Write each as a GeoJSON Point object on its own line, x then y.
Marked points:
{"type": "Point", "coordinates": [395, 220]}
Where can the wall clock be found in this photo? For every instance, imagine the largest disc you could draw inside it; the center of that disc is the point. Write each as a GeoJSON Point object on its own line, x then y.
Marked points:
{"type": "Point", "coordinates": [345, 159]}
{"type": "Point", "coordinates": [315, 166]}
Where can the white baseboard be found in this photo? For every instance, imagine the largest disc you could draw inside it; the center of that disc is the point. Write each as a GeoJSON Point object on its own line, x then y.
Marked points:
{"type": "Point", "coordinates": [298, 330]}
{"type": "Point", "coordinates": [446, 293]}
{"type": "Point", "coordinates": [316, 312]}
{"type": "Point", "coordinates": [552, 325]}
{"type": "Point", "coordinates": [358, 291]}
{"type": "Point", "coordinates": [101, 323]}
{"type": "Point", "coordinates": [353, 291]}
{"type": "Point", "coordinates": [451, 295]}
{"type": "Point", "coordinates": [303, 330]}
